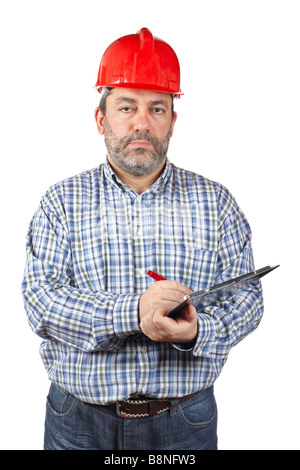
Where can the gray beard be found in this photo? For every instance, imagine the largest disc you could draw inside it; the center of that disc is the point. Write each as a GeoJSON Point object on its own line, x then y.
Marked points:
{"type": "Point", "coordinates": [130, 160]}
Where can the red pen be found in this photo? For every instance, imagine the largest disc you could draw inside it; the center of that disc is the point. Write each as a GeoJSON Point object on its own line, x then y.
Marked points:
{"type": "Point", "coordinates": [156, 276]}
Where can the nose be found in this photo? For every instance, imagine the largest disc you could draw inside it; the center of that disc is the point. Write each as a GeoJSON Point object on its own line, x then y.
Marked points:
{"type": "Point", "coordinates": [141, 122]}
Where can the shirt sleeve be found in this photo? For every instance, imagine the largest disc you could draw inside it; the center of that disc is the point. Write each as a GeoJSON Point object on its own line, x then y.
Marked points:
{"type": "Point", "coordinates": [56, 310]}
{"type": "Point", "coordinates": [224, 325]}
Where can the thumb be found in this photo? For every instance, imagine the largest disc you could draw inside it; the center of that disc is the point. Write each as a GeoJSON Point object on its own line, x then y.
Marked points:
{"type": "Point", "coordinates": [190, 312]}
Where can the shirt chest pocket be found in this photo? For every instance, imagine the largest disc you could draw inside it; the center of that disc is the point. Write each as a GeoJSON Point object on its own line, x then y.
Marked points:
{"type": "Point", "coordinates": [195, 266]}
{"type": "Point", "coordinates": [185, 262]}
{"type": "Point", "coordinates": [182, 246]}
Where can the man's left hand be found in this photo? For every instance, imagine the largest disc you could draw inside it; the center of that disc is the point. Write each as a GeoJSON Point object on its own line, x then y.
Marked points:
{"type": "Point", "coordinates": [158, 327]}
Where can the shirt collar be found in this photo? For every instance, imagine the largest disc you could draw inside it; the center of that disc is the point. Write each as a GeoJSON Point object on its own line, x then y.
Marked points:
{"type": "Point", "coordinates": [155, 188]}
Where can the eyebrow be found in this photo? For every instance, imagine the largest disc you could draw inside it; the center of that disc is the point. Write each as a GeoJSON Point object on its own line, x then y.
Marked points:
{"type": "Point", "coordinates": [157, 102]}
{"type": "Point", "coordinates": [127, 99]}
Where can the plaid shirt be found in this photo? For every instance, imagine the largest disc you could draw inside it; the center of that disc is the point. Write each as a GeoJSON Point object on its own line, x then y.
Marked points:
{"type": "Point", "coordinates": [89, 247]}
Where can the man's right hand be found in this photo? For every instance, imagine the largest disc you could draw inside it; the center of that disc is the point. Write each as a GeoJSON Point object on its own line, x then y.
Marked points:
{"type": "Point", "coordinates": [156, 302]}
{"type": "Point", "coordinates": [162, 295]}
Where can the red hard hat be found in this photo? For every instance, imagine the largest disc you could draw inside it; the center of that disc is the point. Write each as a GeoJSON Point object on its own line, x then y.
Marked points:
{"type": "Point", "coordinates": [140, 61]}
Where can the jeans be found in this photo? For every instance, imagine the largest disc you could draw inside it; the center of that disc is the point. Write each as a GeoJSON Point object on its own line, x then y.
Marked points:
{"type": "Point", "coordinates": [74, 425]}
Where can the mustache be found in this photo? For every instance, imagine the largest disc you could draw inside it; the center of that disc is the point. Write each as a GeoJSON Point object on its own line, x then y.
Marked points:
{"type": "Point", "coordinates": [139, 136]}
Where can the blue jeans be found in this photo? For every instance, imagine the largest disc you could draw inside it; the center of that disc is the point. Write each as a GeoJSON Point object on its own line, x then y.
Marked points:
{"type": "Point", "coordinates": [72, 425]}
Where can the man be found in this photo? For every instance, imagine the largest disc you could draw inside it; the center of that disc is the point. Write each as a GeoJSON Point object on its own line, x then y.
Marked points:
{"type": "Point", "coordinates": [124, 375]}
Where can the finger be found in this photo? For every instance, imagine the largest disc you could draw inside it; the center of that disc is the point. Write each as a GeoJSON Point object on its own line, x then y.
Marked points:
{"type": "Point", "coordinates": [176, 286]}
{"type": "Point", "coordinates": [173, 296]}
{"type": "Point", "coordinates": [159, 313]}
{"type": "Point", "coordinates": [190, 310]}
{"type": "Point", "coordinates": [161, 322]}
{"type": "Point", "coordinates": [189, 315]}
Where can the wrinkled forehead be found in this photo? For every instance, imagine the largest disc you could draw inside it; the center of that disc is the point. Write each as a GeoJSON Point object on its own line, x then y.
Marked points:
{"type": "Point", "coordinates": [140, 96]}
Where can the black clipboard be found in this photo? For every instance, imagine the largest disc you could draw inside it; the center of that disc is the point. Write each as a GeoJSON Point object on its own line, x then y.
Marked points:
{"type": "Point", "coordinates": [220, 292]}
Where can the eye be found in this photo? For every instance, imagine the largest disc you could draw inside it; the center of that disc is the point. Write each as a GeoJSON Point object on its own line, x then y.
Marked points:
{"type": "Point", "coordinates": [158, 110]}
{"type": "Point", "coordinates": [126, 109]}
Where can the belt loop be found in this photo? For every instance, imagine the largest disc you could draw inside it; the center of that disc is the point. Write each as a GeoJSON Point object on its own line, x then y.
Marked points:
{"type": "Point", "coordinates": [173, 406]}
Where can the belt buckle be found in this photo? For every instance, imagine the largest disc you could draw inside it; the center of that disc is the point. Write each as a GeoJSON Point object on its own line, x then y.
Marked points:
{"type": "Point", "coordinates": [120, 405]}
{"type": "Point", "coordinates": [118, 408]}
{"type": "Point", "coordinates": [125, 413]}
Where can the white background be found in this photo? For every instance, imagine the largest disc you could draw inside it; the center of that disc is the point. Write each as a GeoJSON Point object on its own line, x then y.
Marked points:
{"type": "Point", "coordinates": [238, 124]}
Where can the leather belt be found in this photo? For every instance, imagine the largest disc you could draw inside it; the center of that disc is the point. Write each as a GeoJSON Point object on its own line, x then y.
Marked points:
{"type": "Point", "coordinates": [144, 406]}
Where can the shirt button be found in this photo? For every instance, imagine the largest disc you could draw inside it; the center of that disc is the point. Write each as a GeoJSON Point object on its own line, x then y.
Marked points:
{"type": "Point", "coordinates": [142, 272]}
{"type": "Point", "coordinates": [144, 349]}
{"type": "Point", "coordinates": [144, 389]}
{"type": "Point", "coordinates": [139, 232]}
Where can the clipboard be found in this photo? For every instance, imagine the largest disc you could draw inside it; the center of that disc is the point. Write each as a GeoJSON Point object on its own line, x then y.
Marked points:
{"type": "Point", "coordinates": [220, 292]}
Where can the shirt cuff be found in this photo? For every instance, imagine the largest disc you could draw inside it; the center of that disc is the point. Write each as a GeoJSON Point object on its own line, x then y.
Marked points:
{"type": "Point", "coordinates": [126, 315]}
{"type": "Point", "coordinates": [206, 335]}
{"type": "Point", "coordinates": [202, 346]}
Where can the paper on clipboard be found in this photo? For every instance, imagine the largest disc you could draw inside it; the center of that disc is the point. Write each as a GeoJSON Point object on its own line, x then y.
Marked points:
{"type": "Point", "coordinates": [220, 292]}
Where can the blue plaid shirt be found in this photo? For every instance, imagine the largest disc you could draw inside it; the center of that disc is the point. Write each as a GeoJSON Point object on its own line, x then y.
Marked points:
{"type": "Point", "coordinates": [89, 247]}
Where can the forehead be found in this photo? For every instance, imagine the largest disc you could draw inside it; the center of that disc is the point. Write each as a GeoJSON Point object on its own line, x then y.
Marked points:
{"type": "Point", "coordinates": [118, 95]}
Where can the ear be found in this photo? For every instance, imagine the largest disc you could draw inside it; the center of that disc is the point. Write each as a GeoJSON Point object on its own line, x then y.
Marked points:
{"type": "Point", "coordinates": [173, 123]}
{"type": "Point", "coordinates": [99, 118]}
